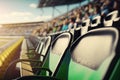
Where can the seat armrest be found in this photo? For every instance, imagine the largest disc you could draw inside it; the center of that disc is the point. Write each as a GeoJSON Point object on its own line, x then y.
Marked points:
{"type": "Point", "coordinates": [45, 69]}
{"type": "Point", "coordinates": [34, 77]}
{"type": "Point", "coordinates": [12, 65]}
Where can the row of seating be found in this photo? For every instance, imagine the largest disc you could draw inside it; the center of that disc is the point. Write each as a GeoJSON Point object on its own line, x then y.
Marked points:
{"type": "Point", "coordinates": [98, 21]}
{"type": "Point", "coordinates": [94, 54]}
{"type": "Point", "coordinates": [91, 55]}
{"type": "Point", "coordinates": [3, 54]}
{"type": "Point", "coordinates": [34, 40]}
{"type": "Point", "coordinates": [8, 54]}
{"type": "Point", "coordinates": [42, 48]}
{"type": "Point", "coordinates": [30, 45]}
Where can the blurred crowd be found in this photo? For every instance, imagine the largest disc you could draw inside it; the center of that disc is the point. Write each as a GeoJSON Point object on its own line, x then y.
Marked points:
{"type": "Point", "coordinates": [67, 21]}
{"type": "Point", "coordinates": [75, 17]}
{"type": "Point", "coordinates": [16, 30]}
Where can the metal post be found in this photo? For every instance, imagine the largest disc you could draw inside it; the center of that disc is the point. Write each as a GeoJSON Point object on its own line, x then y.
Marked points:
{"type": "Point", "coordinates": [79, 4]}
{"type": "Point", "coordinates": [42, 11]}
{"type": "Point", "coordinates": [67, 9]}
{"type": "Point", "coordinates": [58, 10]}
{"type": "Point", "coordinates": [53, 11]}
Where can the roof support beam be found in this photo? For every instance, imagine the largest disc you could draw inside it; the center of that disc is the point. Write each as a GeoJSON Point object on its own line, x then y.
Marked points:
{"type": "Point", "coordinates": [53, 11]}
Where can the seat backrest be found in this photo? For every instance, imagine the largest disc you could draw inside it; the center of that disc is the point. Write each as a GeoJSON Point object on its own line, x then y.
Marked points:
{"type": "Point", "coordinates": [34, 40]}
{"type": "Point", "coordinates": [37, 48]}
{"type": "Point", "coordinates": [84, 26]}
{"type": "Point", "coordinates": [72, 31]}
{"type": "Point", "coordinates": [30, 45]}
{"type": "Point", "coordinates": [92, 54]}
{"type": "Point", "coordinates": [77, 33]}
{"type": "Point", "coordinates": [40, 47]}
{"type": "Point", "coordinates": [110, 18]}
{"type": "Point", "coordinates": [58, 49]}
{"type": "Point", "coordinates": [46, 47]}
{"type": "Point", "coordinates": [96, 21]}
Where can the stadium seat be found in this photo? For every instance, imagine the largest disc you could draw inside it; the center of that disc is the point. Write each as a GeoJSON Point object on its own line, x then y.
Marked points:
{"type": "Point", "coordinates": [1, 62]}
{"type": "Point", "coordinates": [34, 40]}
{"type": "Point", "coordinates": [96, 21]}
{"type": "Point", "coordinates": [72, 31]}
{"type": "Point", "coordinates": [9, 53]}
{"type": "Point", "coordinates": [111, 18]}
{"type": "Point", "coordinates": [93, 54]}
{"type": "Point", "coordinates": [59, 48]}
{"type": "Point", "coordinates": [30, 45]}
{"type": "Point", "coordinates": [37, 51]}
{"type": "Point", "coordinates": [37, 48]}
{"type": "Point", "coordinates": [46, 47]}
{"type": "Point", "coordinates": [42, 47]}
{"type": "Point", "coordinates": [77, 33]}
{"type": "Point", "coordinates": [85, 25]}
{"type": "Point", "coordinates": [42, 52]}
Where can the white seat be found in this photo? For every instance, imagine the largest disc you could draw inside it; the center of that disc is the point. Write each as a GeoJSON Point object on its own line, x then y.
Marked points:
{"type": "Point", "coordinates": [97, 20]}
{"type": "Point", "coordinates": [84, 26]}
{"type": "Point", "coordinates": [111, 17]}
{"type": "Point", "coordinates": [93, 54]}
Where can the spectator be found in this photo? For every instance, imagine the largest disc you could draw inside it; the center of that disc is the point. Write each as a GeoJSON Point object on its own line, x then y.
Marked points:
{"type": "Point", "coordinates": [50, 30]}
{"type": "Point", "coordinates": [71, 23]}
{"type": "Point", "coordinates": [59, 25]}
{"type": "Point", "coordinates": [54, 25]}
{"type": "Point", "coordinates": [78, 17]}
{"type": "Point", "coordinates": [78, 20]}
{"type": "Point", "coordinates": [86, 16]}
{"type": "Point", "coordinates": [58, 28]}
{"type": "Point", "coordinates": [45, 29]}
{"type": "Point", "coordinates": [65, 25]}
{"type": "Point", "coordinates": [96, 11]}
{"type": "Point", "coordinates": [105, 7]}
{"type": "Point", "coordinates": [116, 5]}
{"type": "Point", "coordinates": [90, 9]}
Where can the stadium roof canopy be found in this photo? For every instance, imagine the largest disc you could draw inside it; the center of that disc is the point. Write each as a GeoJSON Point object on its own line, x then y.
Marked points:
{"type": "Point", "coordinates": [52, 3]}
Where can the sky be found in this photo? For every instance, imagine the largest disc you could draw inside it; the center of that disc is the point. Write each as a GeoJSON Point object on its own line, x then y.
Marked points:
{"type": "Point", "coordinates": [18, 11]}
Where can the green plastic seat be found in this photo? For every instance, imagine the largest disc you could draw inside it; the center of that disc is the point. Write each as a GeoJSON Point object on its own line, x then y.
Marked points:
{"type": "Point", "coordinates": [94, 57]}
{"type": "Point", "coordinates": [59, 48]}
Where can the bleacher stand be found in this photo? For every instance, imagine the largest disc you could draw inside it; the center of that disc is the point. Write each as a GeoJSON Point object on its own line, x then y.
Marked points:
{"type": "Point", "coordinates": [85, 49]}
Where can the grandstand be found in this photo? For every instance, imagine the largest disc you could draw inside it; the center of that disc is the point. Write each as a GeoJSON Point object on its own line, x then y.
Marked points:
{"type": "Point", "coordinates": [19, 29]}
{"type": "Point", "coordinates": [81, 44]}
